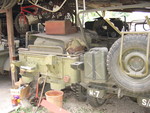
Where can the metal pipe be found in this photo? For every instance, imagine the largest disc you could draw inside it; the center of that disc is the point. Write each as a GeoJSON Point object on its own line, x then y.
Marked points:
{"type": "Point", "coordinates": [84, 8]}
{"type": "Point", "coordinates": [42, 91]}
{"type": "Point", "coordinates": [77, 11]}
{"type": "Point", "coordinates": [27, 38]}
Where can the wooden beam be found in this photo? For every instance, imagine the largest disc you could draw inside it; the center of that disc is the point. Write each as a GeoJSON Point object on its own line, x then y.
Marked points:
{"type": "Point", "coordinates": [10, 32]}
{"type": "Point", "coordinates": [0, 30]}
{"type": "Point", "coordinates": [100, 4]}
{"type": "Point", "coordinates": [2, 11]}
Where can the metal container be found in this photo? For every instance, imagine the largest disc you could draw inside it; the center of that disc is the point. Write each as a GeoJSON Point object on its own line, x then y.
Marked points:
{"type": "Point", "coordinates": [59, 27]}
{"type": "Point", "coordinates": [95, 65]}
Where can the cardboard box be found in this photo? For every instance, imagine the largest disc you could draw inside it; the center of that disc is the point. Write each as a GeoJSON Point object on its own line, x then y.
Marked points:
{"type": "Point", "coordinates": [21, 92]}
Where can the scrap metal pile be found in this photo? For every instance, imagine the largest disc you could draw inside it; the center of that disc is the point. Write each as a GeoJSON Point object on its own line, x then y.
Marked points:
{"type": "Point", "coordinates": [43, 10]}
{"type": "Point", "coordinates": [55, 9]}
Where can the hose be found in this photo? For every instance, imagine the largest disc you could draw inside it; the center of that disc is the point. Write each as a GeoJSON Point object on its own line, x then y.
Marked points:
{"type": "Point", "coordinates": [4, 4]}
{"type": "Point", "coordinates": [11, 4]}
{"type": "Point", "coordinates": [7, 4]}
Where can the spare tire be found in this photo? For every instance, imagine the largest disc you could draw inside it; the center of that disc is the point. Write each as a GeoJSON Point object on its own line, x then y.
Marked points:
{"type": "Point", "coordinates": [133, 59]}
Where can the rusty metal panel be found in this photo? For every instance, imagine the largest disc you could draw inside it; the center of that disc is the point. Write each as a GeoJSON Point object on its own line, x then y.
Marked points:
{"type": "Point", "coordinates": [61, 27]}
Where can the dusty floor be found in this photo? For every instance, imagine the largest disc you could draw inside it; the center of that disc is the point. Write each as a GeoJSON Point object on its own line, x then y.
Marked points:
{"type": "Point", "coordinates": [112, 105]}
{"type": "Point", "coordinates": [5, 101]}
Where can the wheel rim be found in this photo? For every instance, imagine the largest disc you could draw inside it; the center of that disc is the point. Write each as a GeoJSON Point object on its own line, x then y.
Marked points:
{"type": "Point", "coordinates": [134, 63]}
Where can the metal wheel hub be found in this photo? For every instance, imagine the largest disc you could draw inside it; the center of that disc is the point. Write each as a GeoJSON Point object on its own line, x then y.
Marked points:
{"type": "Point", "coordinates": [134, 64]}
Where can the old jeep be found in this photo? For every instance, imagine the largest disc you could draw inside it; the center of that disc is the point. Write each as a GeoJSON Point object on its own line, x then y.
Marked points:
{"type": "Point", "coordinates": [93, 72]}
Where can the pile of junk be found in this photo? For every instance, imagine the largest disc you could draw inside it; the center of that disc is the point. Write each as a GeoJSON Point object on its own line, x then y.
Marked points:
{"type": "Point", "coordinates": [45, 65]}
{"type": "Point", "coordinates": [48, 55]}
{"type": "Point", "coordinates": [61, 56]}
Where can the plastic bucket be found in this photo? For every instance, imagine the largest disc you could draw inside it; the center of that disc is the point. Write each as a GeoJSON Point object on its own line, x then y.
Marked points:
{"type": "Point", "coordinates": [55, 97]}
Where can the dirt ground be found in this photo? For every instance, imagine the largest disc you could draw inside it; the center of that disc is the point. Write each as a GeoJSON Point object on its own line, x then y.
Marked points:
{"type": "Point", "coordinates": [113, 105]}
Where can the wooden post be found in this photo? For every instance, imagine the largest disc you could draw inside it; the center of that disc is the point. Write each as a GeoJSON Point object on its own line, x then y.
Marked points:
{"type": "Point", "coordinates": [10, 32]}
{"type": "Point", "coordinates": [0, 30]}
